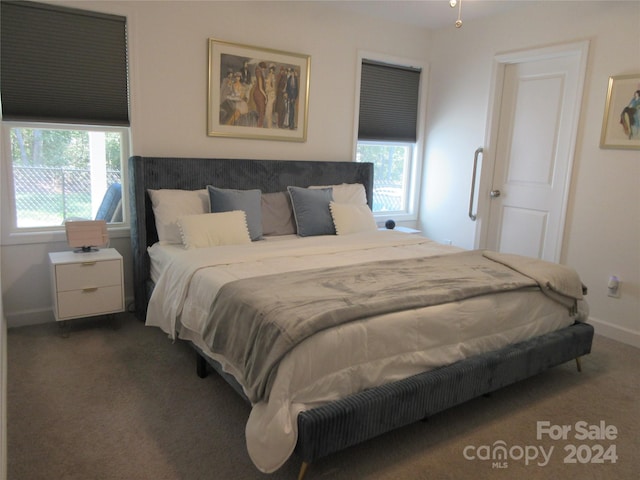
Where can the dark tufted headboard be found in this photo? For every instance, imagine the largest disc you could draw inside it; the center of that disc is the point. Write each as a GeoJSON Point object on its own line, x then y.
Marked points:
{"type": "Point", "coordinates": [196, 173]}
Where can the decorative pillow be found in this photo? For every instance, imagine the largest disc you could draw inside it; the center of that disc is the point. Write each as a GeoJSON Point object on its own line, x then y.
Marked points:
{"type": "Point", "coordinates": [213, 229]}
{"type": "Point", "coordinates": [277, 214]}
{"type": "Point", "coordinates": [347, 193]}
{"type": "Point", "coordinates": [227, 200]}
{"type": "Point", "coordinates": [311, 211]}
{"type": "Point", "coordinates": [169, 205]}
{"type": "Point", "coordinates": [350, 218]}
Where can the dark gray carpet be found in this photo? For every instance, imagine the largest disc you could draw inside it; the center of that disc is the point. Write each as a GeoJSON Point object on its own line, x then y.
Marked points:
{"type": "Point", "coordinates": [117, 400]}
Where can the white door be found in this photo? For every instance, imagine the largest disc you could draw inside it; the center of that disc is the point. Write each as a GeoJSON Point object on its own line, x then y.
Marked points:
{"type": "Point", "coordinates": [534, 137]}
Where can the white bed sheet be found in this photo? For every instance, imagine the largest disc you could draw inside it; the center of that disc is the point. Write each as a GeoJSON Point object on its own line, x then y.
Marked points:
{"type": "Point", "coordinates": [355, 356]}
{"type": "Point", "coordinates": [162, 254]}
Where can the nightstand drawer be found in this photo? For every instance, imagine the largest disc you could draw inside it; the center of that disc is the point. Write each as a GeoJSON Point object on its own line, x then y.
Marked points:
{"type": "Point", "coordinates": [89, 301]}
{"type": "Point", "coordinates": [86, 284]}
{"type": "Point", "coordinates": [89, 274]}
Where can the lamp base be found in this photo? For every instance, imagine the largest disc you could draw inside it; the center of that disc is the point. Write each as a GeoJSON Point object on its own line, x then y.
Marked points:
{"type": "Point", "coordinates": [86, 249]}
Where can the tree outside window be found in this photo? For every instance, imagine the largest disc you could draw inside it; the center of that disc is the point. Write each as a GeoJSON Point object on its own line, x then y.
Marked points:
{"type": "Point", "coordinates": [61, 174]}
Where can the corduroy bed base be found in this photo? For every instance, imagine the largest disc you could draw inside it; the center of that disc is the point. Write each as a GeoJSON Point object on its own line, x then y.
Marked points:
{"type": "Point", "coordinates": [352, 420]}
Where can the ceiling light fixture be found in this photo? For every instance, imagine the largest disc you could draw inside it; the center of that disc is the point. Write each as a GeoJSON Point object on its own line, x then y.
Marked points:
{"type": "Point", "coordinates": [452, 4]}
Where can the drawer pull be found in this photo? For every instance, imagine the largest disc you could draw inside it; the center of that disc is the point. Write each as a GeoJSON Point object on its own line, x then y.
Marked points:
{"type": "Point", "coordinates": [89, 289]}
{"type": "Point", "coordinates": [88, 264]}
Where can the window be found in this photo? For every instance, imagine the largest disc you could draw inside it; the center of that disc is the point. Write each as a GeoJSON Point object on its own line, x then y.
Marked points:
{"type": "Point", "coordinates": [388, 133]}
{"type": "Point", "coordinates": [65, 114]}
{"type": "Point", "coordinates": [65, 173]}
{"type": "Point", "coordinates": [391, 163]}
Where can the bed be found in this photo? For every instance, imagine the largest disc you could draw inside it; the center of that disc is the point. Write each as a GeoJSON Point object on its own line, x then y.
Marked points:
{"type": "Point", "coordinates": [322, 416]}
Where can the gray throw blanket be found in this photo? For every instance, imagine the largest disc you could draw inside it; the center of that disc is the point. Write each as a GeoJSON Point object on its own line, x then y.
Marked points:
{"type": "Point", "coordinates": [254, 322]}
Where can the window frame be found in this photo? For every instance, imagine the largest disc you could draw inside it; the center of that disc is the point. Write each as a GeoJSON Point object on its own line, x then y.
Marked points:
{"type": "Point", "coordinates": [11, 233]}
{"type": "Point", "coordinates": [414, 170]}
{"type": "Point", "coordinates": [104, 30]}
{"type": "Point", "coordinates": [408, 193]}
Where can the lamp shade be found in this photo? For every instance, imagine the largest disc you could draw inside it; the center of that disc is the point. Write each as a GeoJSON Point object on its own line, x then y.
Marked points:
{"type": "Point", "coordinates": [86, 235]}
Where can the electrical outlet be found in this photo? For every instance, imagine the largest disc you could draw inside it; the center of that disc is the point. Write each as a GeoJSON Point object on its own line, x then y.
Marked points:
{"type": "Point", "coordinates": [613, 286]}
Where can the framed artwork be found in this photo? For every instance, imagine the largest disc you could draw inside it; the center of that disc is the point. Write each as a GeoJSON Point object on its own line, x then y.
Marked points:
{"type": "Point", "coordinates": [257, 92]}
{"type": "Point", "coordinates": [621, 123]}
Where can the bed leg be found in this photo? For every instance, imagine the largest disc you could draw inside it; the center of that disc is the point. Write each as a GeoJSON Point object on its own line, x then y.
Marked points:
{"type": "Point", "coordinates": [303, 470]}
{"type": "Point", "coordinates": [201, 366]}
{"type": "Point", "coordinates": [578, 364]}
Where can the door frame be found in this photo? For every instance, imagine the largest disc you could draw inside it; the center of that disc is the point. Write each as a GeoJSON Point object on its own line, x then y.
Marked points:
{"type": "Point", "coordinates": [501, 60]}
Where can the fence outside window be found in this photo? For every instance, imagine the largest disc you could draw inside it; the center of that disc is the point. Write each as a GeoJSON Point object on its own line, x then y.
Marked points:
{"type": "Point", "coordinates": [387, 197]}
{"type": "Point", "coordinates": [47, 196]}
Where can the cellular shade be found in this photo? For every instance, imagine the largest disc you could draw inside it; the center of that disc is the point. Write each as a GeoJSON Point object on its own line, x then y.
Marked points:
{"type": "Point", "coordinates": [388, 102]}
{"type": "Point", "coordinates": [63, 65]}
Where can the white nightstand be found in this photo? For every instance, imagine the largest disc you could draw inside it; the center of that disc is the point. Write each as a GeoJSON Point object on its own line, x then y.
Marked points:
{"type": "Point", "coordinates": [86, 284]}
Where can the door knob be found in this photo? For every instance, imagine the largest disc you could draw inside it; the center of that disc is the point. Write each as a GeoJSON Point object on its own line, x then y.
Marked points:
{"type": "Point", "coordinates": [494, 193]}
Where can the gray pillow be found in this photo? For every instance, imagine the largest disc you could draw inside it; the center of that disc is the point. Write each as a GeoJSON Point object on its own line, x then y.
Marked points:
{"type": "Point", "coordinates": [227, 200]}
{"type": "Point", "coordinates": [277, 214]}
{"type": "Point", "coordinates": [311, 211]}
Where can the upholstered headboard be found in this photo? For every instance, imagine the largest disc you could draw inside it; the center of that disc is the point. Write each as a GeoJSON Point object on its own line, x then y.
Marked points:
{"type": "Point", "coordinates": [196, 173]}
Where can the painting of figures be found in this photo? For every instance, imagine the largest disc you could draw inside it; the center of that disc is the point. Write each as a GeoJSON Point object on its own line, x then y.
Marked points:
{"type": "Point", "coordinates": [621, 123]}
{"type": "Point", "coordinates": [257, 93]}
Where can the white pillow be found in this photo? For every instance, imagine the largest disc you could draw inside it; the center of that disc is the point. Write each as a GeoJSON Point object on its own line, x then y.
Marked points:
{"type": "Point", "coordinates": [169, 205]}
{"type": "Point", "coordinates": [350, 218]}
{"type": "Point", "coordinates": [347, 193]}
{"type": "Point", "coordinates": [213, 229]}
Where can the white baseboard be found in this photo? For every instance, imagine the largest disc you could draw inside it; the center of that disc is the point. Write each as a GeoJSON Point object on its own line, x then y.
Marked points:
{"type": "Point", "coordinates": [615, 332]}
{"type": "Point", "coordinates": [3, 395]}
{"type": "Point", "coordinates": [606, 329]}
{"type": "Point", "coordinates": [29, 317]}
{"type": "Point", "coordinates": [36, 317]}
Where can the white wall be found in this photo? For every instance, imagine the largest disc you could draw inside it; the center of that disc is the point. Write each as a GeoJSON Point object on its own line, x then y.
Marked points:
{"type": "Point", "coordinates": [3, 389]}
{"type": "Point", "coordinates": [168, 43]}
{"type": "Point", "coordinates": [3, 377]}
{"type": "Point", "coordinates": [602, 235]}
{"type": "Point", "coordinates": [169, 90]}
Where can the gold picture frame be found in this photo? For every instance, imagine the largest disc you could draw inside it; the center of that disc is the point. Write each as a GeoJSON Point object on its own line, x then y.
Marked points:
{"type": "Point", "coordinates": [621, 123]}
{"type": "Point", "coordinates": [237, 105]}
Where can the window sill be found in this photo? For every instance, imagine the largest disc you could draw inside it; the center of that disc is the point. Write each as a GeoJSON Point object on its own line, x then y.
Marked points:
{"type": "Point", "coordinates": [52, 236]}
{"type": "Point", "coordinates": [382, 217]}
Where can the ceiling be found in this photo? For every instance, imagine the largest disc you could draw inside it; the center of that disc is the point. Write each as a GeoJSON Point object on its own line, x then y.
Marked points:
{"type": "Point", "coordinates": [428, 13]}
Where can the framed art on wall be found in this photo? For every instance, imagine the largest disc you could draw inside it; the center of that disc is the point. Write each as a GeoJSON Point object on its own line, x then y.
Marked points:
{"type": "Point", "coordinates": [257, 92]}
{"type": "Point", "coordinates": [621, 123]}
